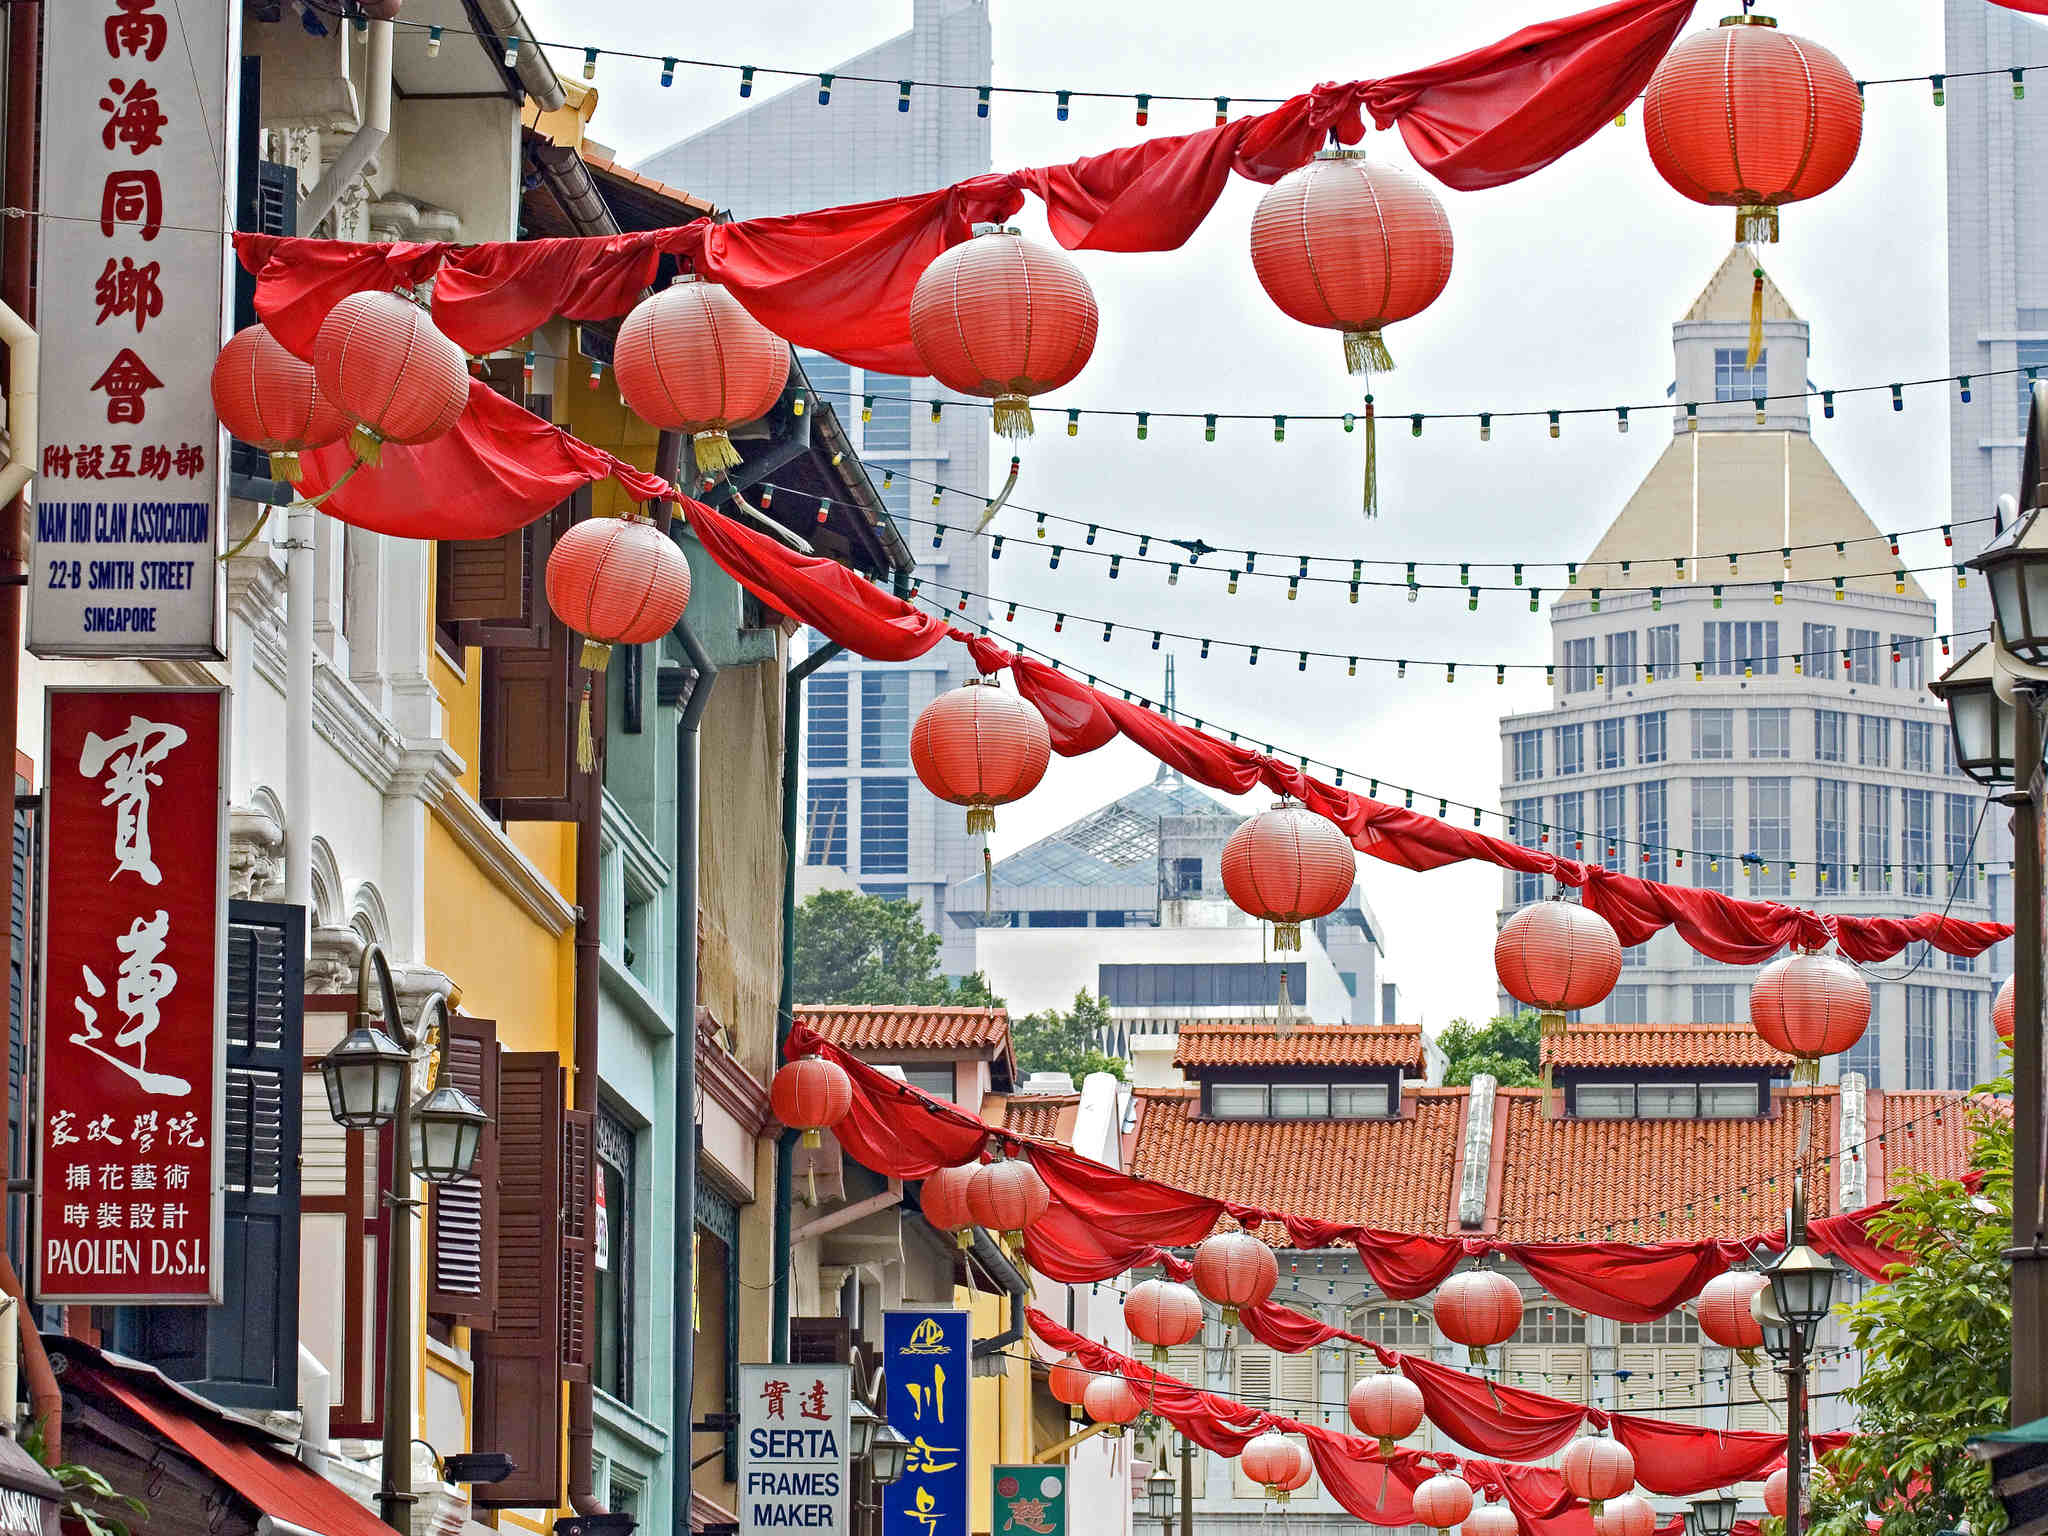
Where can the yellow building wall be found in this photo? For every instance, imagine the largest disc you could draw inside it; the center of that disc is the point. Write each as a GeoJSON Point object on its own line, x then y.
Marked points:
{"type": "Point", "coordinates": [1001, 1411]}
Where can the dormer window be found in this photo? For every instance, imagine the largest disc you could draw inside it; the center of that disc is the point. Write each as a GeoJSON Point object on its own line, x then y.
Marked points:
{"type": "Point", "coordinates": [1612, 1099]}
{"type": "Point", "coordinates": [1364, 1099]}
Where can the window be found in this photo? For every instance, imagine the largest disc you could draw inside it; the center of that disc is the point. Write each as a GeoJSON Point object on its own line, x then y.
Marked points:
{"type": "Point", "coordinates": [1187, 877]}
{"type": "Point", "coordinates": [1728, 1101]}
{"type": "Point", "coordinates": [1873, 741]}
{"type": "Point", "coordinates": [1866, 1055]}
{"type": "Point", "coordinates": [885, 719]}
{"type": "Point", "coordinates": [1058, 917]}
{"type": "Point", "coordinates": [1962, 1040]}
{"type": "Point", "coordinates": [825, 822]}
{"type": "Point", "coordinates": [1739, 648]}
{"type": "Point", "coordinates": [826, 727]}
{"type": "Point", "coordinates": [1621, 659]}
{"type": "Point", "coordinates": [1653, 825]}
{"type": "Point", "coordinates": [1651, 738]}
{"type": "Point", "coordinates": [1571, 823]}
{"type": "Point", "coordinates": [1629, 1004]}
{"type": "Point", "coordinates": [1830, 735]}
{"type": "Point", "coordinates": [1877, 834]}
{"type": "Point", "coordinates": [1663, 659]}
{"type": "Point", "coordinates": [1962, 962]}
{"type": "Point", "coordinates": [1817, 649]}
{"type": "Point", "coordinates": [1961, 812]}
{"type": "Point", "coordinates": [1667, 1101]}
{"type": "Point", "coordinates": [1735, 379]}
{"type": "Point", "coordinates": [1919, 1037]}
{"type": "Point", "coordinates": [2029, 354]}
{"type": "Point", "coordinates": [1635, 956]}
{"type": "Point", "coordinates": [1916, 840]}
{"type": "Point", "coordinates": [1719, 1003]}
{"type": "Point", "coordinates": [1916, 746]}
{"type": "Point", "coordinates": [1528, 755]}
{"type": "Point", "coordinates": [1571, 749]}
{"type": "Point", "coordinates": [1397, 1325]}
{"type": "Point", "coordinates": [1679, 1327]}
{"type": "Point", "coordinates": [1657, 1368]}
{"type": "Point", "coordinates": [1237, 1101]}
{"type": "Point", "coordinates": [1830, 835]}
{"type": "Point", "coordinates": [612, 1370]}
{"type": "Point", "coordinates": [1713, 734]}
{"type": "Point", "coordinates": [1770, 733]}
{"type": "Point", "coordinates": [1359, 1101]}
{"type": "Point", "coordinates": [1297, 1101]}
{"type": "Point", "coordinates": [1611, 744]}
{"type": "Point", "coordinates": [1611, 806]}
{"type": "Point", "coordinates": [884, 826]}
{"type": "Point", "coordinates": [1285, 1384]}
{"type": "Point", "coordinates": [1713, 834]}
{"type": "Point", "coordinates": [1862, 646]}
{"type": "Point", "coordinates": [1578, 665]}
{"type": "Point", "coordinates": [1909, 662]}
{"type": "Point", "coordinates": [1301, 1101]}
{"type": "Point", "coordinates": [1199, 985]}
{"type": "Point", "coordinates": [888, 890]}
{"type": "Point", "coordinates": [1770, 836]}
{"type": "Point", "coordinates": [1524, 818]}
{"type": "Point", "coordinates": [933, 1078]}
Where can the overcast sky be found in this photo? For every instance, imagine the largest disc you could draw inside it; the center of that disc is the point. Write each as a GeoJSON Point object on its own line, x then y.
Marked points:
{"type": "Point", "coordinates": [1563, 292]}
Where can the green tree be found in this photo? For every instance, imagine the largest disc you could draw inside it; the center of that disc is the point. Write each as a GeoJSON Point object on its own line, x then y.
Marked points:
{"type": "Point", "coordinates": [852, 948]}
{"type": "Point", "coordinates": [1504, 1048]}
{"type": "Point", "coordinates": [1065, 1042]}
{"type": "Point", "coordinates": [1937, 1365]}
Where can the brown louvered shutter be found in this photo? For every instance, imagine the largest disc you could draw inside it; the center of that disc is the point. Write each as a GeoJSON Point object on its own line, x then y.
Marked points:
{"type": "Point", "coordinates": [530, 694]}
{"type": "Point", "coordinates": [579, 1241]}
{"type": "Point", "coordinates": [518, 1391]}
{"type": "Point", "coordinates": [462, 1224]}
{"type": "Point", "coordinates": [820, 1341]}
{"type": "Point", "coordinates": [484, 579]}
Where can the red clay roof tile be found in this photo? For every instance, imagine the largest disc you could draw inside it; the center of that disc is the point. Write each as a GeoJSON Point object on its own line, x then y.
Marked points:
{"type": "Point", "coordinates": [905, 1028]}
{"type": "Point", "coordinates": [1254, 1043]}
{"type": "Point", "coordinates": [1660, 1045]}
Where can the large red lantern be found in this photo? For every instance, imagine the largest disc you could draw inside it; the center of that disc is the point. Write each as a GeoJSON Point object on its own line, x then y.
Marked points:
{"type": "Point", "coordinates": [1629, 1514]}
{"type": "Point", "coordinates": [1235, 1270]}
{"type": "Point", "coordinates": [1442, 1502]}
{"type": "Point", "coordinates": [271, 400]}
{"type": "Point", "coordinates": [615, 581]}
{"type": "Point", "coordinates": [1296, 1478]}
{"type": "Point", "coordinates": [381, 361]}
{"type": "Point", "coordinates": [1004, 318]}
{"type": "Point", "coordinates": [980, 747]}
{"type": "Point", "coordinates": [1809, 1005]}
{"type": "Point", "coordinates": [1478, 1309]}
{"type": "Point", "coordinates": [2001, 1011]}
{"type": "Point", "coordinates": [811, 1095]}
{"type": "Point", "coordinates": [1556, 957]}
{"type": "Point", "coordinates": [1068, 1380]}
{"type": "Point", "coordinates": [1775, 1493]}
{"type": "Point", "coordinates": [1597, 1469]}
{"type": "Point", "coordinates": [1007, 1197]}
{"type": "Point", "coordinates": [1111, 1402]}
{"type": "Point", "coordinates": [1289, 866]}
{"type": "Point", "coordinates": [1749, 117]}
{"type": "Point", "coordinates": [1725, 1318]}
{"type": "Point", "coordinates": [1389, 1408]}
{"type": "Point", "coordinates": [1164, 1314]}
{"type": "Point", "coordinates": [1270, 1459]}
{"type": "Point", "coordinates": [944, 1202]}
{"type": "Point", "coordinates": [691, 359]}
{"type": "Point", "coordinates": [1492, 1520]}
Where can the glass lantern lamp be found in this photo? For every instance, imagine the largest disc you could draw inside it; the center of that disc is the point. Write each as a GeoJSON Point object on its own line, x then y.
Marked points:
{"type": "Point", "coordinates": [1763, 1306]}
{"type": "Point", "coordinates": [1982, 724]}
{"type": "Point", "coordinates": [888, 1455]}
{"type": "Point", "coordinates": [447, 1128]}
{"type": "Point", "coordinates": [1713, 1514]}
{"type": "Point", "coordinates": [860, 1429]}
{"type": "Point", "coordinates": [365, 1074]}
{"type": "Point", "coordinates": [2015, 564]}
{"type": "Point", "coordinates": [1803, 1286]}
{"type": "Point", "coordinates": [1159, 1493]}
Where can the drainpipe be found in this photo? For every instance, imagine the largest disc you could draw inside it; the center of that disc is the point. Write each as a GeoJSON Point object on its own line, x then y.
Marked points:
{"type": "Point", "coordinates": [688, 814]}
{"type": "Point", "coordinates": [367, 139]}
{"type": "Point", "coordinates": [589, 898]}
{"type": "Point", "coordinates": [998, 1267]}
{"type": "Point", "coordinates": [785, 1005]}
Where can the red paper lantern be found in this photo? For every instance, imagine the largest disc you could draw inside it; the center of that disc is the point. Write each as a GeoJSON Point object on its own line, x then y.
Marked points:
{"type": "Point", "coordinates": [1235, 1270]}
{"type": "Point", "coordinates": [1627, 1515]}
{"type": "Point", "coordinates": [1809, 1005]}
{"type": "Point", "coordinates": [1442, 1502]}
{"type": "Point", "coordinates": [2001, 1011]}
{"type": "Point", "coordinates": [1298, 1475]}
{"type": "Point", "coordinates": [1774, 1493]}
{"type": "Point", "coordinates": [1389, 1408]}
{"type": "Point", "coordinates": [1111, 1402]}
{"type": "Point", "coordinates": [1005, 318]}
{"type": "Point", "coordinates": [1492, 1520]}
{"type": "Point", "coordinates": [1751, 117]}
{"type": "Point", "coordinates": [1556, 957]}
{"type": "Point", "coordinates": [385, 366]}
{"type": "Point", "coordinates": [691, 359]}
{"type": "Point", "coordinates": [944, 1203]}
{"type": "Point", "coordinates": [1164, 1314]}
{"type": "Point", "coordinates": [811, 1095]}
{"type": "Point", "coordinates": [615, 581]}
{"type": "Point", "coordinates": [1270, 1459]}
{"type": "Point", "coordinates": [1352, 245]}
{"type": "Point", "coordinates": [1479, 1308]}
{"type": "Point", "coordinates": [271, 400]}
{"type": "Point", "coordinates": [1006, 1197]}
{"type": "Point", "coordinates": [1597, 1469]}
{"type": "Point", "coordinates": [1289, 866]}
{"type": "Point", "coordinates": [1068, 1380]}
{"type": "Point", "coordinates": [1724, 1314]}
{"type": "Point", "coordinates": [980, 747]}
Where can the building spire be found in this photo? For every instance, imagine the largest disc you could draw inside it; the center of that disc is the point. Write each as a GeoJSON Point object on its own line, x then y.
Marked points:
{"type": "Point", "coordinates": [1166, 703]}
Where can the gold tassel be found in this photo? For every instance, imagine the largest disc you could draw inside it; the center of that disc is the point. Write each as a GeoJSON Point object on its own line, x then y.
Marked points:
{"type": "Point", "coordinates": [1476, 1354]}
{"type": "Point", "coordinates": [1013, 417]}
{"type": "Point", "coordinates": [1372, 461]}
{"type": "Point", "coordinates": [964, 1237]}
{"type": "Point", "coordinates": [1756, 224]}
{"type": "Point", "coordinates": [1756, 319]}
{"type": "Point", "coordinates": [813, 1138]}
{"type": "Point", "coordinates": [586, 744]}
{"type": "Point", "coordinates": [365, 444]}
{"type": "Point", "coordinates": [1365, 352]}
{"type": "Point", "coordinates": [1286, 936]}
{"type": "Point", "coordinates": [1807, 1071]}
{"type": "Point", "coordinates": [284, 465]}
{"type": "Point", "coordinates": [715, 452]}
{"type": "Point", "coordinates": [596, 654]}
{"type": "Point", "coordinates": [1748, 1357]}
{"type": "Point", "coordinates": [981, 819]}
{"type": "Point", "coordinates": [1549, 1024]}
{"type": "Point", "coordinates": [1386, 1446]}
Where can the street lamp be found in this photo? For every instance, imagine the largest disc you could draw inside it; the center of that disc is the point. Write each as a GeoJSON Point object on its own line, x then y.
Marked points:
{"type": "Point", "coordinates": [1983, 725]}
{"type": "Point", "coordinates": [1712, 1515]}
{"type": "Point", "coordinates": [861, 1424]}
{"type": "Point", "coordinates": [2016, 566]}
{"type": "Point", "coordinates": [1763, 1306]}
{"type": "Point", "coordinates": [1802, 1286]}
{"type": "Point", "coordinates": [365, 1075]}
{"type": "Point", "coordinates": [1159, 1491]}
{"type": "Point", "coordinates": [888, 1455]}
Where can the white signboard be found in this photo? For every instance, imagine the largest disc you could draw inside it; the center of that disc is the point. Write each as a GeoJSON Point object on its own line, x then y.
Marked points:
{"type": "Point", "coordinates": [793, 1448]}
{"type": "Point", "coordinates": [137, 190]}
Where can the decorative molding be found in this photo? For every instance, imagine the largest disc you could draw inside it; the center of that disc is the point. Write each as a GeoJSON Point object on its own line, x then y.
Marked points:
{"type": "Point", "coordinates": [499, 857]}
{"type": "Point", "coordinates": [722, 1079]}
{"type": "Point", "coordinates": [399, 216]}
{"type": "Point", "coordinates": [1853, 1131]}
{"type": "Point", "coordinates": [647, 872]}
{"type": "Point", "coordinates": [335, 955]}
{"type": "Point", "coordinates": [255, 848]}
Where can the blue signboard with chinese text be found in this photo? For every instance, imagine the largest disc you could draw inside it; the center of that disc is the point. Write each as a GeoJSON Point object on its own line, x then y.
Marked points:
{"type": "Point", "coordinates": [927, 1365]}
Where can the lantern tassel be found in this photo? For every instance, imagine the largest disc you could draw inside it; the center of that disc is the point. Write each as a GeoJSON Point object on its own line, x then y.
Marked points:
{"type": "Point", "coordinates": [1286, 936]}
{"type": "Point", "coordinates": [715, 452]}
{"type": "Point", "coordinates": [284, 465]}
{"type": "Point", "coordinates": [1756, 319]}
{"type": "Point", "coordinates": [595, 655]}
{"type": "Point", "coordinates": [1365, 352]}
{"type": "Point", "coordinates": [1747, 1357]}
{"type": "Point", "coordinates": [1283, 1019]}
{"type": "Point", "coordinates": [1372, 461]}
{"type": "Point", "coordinates": [1013, 416]}
{"type": "Point", "coordinates": [365, 444]}
{"type": "Point", "coordinates": [1756, 224]}
{"type": "Point", "coordinates": [981, 820]}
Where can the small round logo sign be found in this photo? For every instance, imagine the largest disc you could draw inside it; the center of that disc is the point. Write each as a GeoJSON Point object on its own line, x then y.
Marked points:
{"type": "Point", "coordinates": [1007, 1488]}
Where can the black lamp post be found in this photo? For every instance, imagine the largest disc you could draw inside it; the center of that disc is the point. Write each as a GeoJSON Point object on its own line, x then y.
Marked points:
{"type": "Point", "coordinates": [888, 1455]}
{"type": "Point", "coordinates": [1711, 1514]}
{"type": "Point", "coordinates": [1159, 1492]}
{"type": "Point", "coordinates": [1790, 1311]}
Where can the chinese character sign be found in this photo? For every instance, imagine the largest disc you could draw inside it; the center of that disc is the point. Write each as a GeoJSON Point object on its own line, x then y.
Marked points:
{"type": "Point", "coordinates": [138, 178]}
{"type": "Point", "coordinates": [133, 996]}
{"type": "Point", "coordinates": [1028, 1501]}
{"type": "Point", "coordinates": [928, 1368]}
{"type": "Point", "coordinates": [793, 1448]}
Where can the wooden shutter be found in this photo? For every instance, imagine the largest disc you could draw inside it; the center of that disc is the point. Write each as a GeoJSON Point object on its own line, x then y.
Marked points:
{"type": "Point", "coordinates": [1756, 1394]}
{"type": "Point", "coordinates": [27, 874]}
{"type": "Point", "coordinates": [484, 579]}
{"type": "Point", "coordinates": [1663, 1380]}
{"type": "Point", "coordinates": [462, 1227]}
{"type": "Point", "coordinates": [518, 1400]}
{"type": "Point", "coordinates": [579, 1241]}
{"type": "Point", "coordinates": [820, 1341]}
{"type": "Point", "coordinates": [530, 696]}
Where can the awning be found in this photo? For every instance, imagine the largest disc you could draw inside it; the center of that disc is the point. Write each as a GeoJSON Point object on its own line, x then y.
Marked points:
{"type": "Point", "coordinates": [233, 1451]}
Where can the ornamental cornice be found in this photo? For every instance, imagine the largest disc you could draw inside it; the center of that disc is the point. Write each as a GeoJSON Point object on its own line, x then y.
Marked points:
{"type": "Point", "coordinates": [499, 857]}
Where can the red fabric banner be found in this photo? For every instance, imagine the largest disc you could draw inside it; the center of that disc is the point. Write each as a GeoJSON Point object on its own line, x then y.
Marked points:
{"type": "Point", "coordinates": [2031, 7]}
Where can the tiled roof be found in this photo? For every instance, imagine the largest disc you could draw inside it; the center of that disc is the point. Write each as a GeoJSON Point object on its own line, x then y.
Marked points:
{"type": "Point", "coordinates": [599, 159]}
{"type": "Point", "coordinates": [905, 1028]}
{"type": "Point", "coordinates": [1660, 1045]}
{"type": "Point", "coordinates": [1382, 1173]}
{"type": "Point", "coordinates": [1253, 1043]}
{"type": "Point", "coordinates": [1915, 1138]}
{"type": "Point", "coordinates": [1045, 1116]}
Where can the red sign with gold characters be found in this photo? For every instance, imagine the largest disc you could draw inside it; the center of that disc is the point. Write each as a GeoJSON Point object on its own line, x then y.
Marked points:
{"type": "Point", "coordinates": [130, 1120]}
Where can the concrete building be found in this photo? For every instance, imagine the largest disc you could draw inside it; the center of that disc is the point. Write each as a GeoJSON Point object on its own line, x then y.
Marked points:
{"type": "Point", "coordinates": [1760, 728]}
{"type": "Point", "coordinates": [864, 811]}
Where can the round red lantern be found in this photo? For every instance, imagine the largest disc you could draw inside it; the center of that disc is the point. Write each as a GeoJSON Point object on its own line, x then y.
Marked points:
{"type": "Point", "coordinates": [271, 400]}
{"type": "Point", "coordinates": [1478, 1309]}
{"type": "Point", "coordinates": [381, 361]}
{"type": "Point", "coordinates": [615, 581]}
{"type": "Point", "coordinates": [1725, 1318]}
{"type": "Point", "coordinates": [1235, 1270]}
{"type": "Point", "coordinates": [1068, 1380]}
{"type": "Point", "coordinates": [1491, 1520]}
{"type": "Point", "coordinates": [1298, 1475]}
{"type": "Point", "coordinates": [1111, 1402]}
{"type": "Point", "coordinates": [1352, 245]}
{"type": "Point", "coordinates": [811, 1095]}
{"type": "Point", "coordinates": [1289, 866]}
{"type": "Point", "coordinates": [980, 747]}
{"type": "Point", "coordinates": [691, 359]}
{"type": "Point", "coordinates": [1774, 1494]}
{"type": "Point", "coordinates": [1749, 117]}
{"type": "Point", "coordinates": [1556, 957]}
{"type": "Point", "coordinates": [944, 1203]}
{"type": "Point", "coordinates": [1389, 1408]}
{"type": "Point", "coordinates": [1005, 318]}
{"type": "Point", "coordinates": [1809, 1005]}
{"type": "Point", "coordinates": [1270, 1459]}
{"type": "Point", "coordinates": [1442, 1502]}
{"type": "Point", "coordinates": [2001, 1011]}
{"type": "Point", "coordinates": [1597, 1469]}
{"type": "Point", "coordinates": [1164, 1314]}
{"type": "Point", "coordinates": [1006, 1197]}
{"type": "Point", "coordinates": [1627, 1515]}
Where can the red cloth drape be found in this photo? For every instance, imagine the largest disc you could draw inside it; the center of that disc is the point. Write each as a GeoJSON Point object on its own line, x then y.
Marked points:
{"type": "Point", "coordinates": [2031, 7]}
{"type": "Point", "coordinates": [1499, 1420]}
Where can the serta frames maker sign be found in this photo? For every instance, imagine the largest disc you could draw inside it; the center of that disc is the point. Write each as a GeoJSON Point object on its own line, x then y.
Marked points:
{"type": "Point", "coordinates": [1028, 1500]}
{"type": "Point", "coordinates": [133, 1006]}
{"type": "Point", "coordinates": [927, 1367]}
{"type": "Point", "coordinates": [793, 1448]}
{"type": "Point", "coordinates": [137, 186]}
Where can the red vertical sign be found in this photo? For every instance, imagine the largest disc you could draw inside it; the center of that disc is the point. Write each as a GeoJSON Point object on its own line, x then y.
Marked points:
{"type": "Point", "coordinates": [133, 996]}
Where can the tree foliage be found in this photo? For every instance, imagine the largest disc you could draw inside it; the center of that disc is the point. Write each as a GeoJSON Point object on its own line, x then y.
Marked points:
{"type": "Point", "coordinates": [1937, 1364]}
{"type": "Point", "coordinates": [854, 948]}
{"type": "Point", "coordinates": [1503, 1048]}
{"type": "Point", "coordinates": [1065, 1042]}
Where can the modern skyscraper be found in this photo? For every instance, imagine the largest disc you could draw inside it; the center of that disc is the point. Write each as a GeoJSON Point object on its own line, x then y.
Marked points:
{"type": "Point", "coordinates": [864, 812]}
